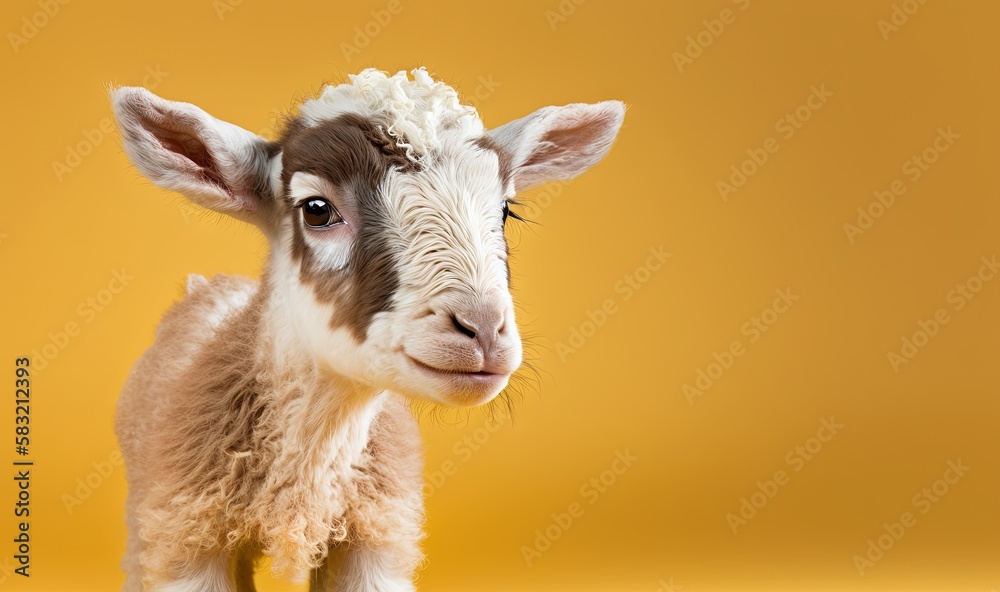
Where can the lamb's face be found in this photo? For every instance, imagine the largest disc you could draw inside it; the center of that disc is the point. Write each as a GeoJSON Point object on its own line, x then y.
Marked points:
{"type": "Point", "coordinates": [388, 248]}
{"type": "Point", "coordinates": [399, 271]}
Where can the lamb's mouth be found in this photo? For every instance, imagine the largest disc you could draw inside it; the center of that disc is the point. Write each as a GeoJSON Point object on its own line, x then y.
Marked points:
{"type": "Point", "coordinates": [435, 369]}
{"type": "Point", "coordinates": [483, 376]}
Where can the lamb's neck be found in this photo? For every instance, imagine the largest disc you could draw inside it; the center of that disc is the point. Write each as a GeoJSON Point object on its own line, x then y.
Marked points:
{"type": "Point", "coordinates": [313, 426]}
{"type": "Point", "coordinates": [326, 416]}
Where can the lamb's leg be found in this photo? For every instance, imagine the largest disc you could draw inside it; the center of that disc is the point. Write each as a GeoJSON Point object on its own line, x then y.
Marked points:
{"type": "Point", "coordinates": [323, 578]}
{"type": "Point", "coordinates": [130, 563]}
{"type": "Point", "coordinates": [387, 512]}
{"type": "Point", "coordinates": [208, 574]}
{"type": "Point", "coordinates": [361, 568]}
{"type": "Point", "coordinates": [244, 573]}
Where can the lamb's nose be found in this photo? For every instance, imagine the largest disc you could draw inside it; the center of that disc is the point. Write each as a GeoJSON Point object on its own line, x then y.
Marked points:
{"type": "Point", "coordinates": [482, 323]}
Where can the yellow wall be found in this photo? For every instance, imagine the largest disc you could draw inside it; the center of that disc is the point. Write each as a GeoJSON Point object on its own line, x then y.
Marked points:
{"type": "Point", "coordinates": [865, 101]}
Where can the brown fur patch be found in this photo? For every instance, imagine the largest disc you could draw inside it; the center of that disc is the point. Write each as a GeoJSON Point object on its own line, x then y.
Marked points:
{"type": "Point", "coordinates": [354, 154]}
{"type": "Point", "coordinates": [506, 161]}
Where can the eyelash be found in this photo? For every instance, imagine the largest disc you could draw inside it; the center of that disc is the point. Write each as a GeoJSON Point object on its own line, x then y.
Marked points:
{"type": "Point", "coordinates": [514, 215]}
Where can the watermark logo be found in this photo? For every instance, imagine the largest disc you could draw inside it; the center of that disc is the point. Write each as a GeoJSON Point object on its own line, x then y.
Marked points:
{"type": "Point", "coordinates": [796, 460]}
{"type": "Point", "coordinates": [562, 12]}
{"type": "Point", "coordinates": [92, 481]}
{"type": "Point", "coordinates": [93, 137]}
{"type": "Point", "coordinates": [625, 288]}
{"type": "Point", "coordinates": [958, 297]}
{"type": "Point", "coordinates": [787, 126]}
{"type": "Point", "coordinates": [914, 169]}
{"type": "Point", "coordinates": [899, 16]}
{"type": "Point", "coordinates": [484, 90]}
{"type": "Point", "coordinates": [923, 501]}
{"type": "Point", "coordinates": [364, 34]}
{"type": "Point", "coordinates": [87, 311]}
{"type": "Point", "coordinates": [224, 7]}
{"type": "Point", "coordinates": [753, 330]}
{"type": "Point", "coordinates": [711, 30]}
{"type": "Point", "coordinates": [463, 450]}
{"type": "Point", "coordinates": [33, 24]}
{"type": "Point", "coordinates": [591, 492]}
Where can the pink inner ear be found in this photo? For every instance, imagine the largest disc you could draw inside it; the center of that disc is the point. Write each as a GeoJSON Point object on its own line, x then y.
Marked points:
{"type": "Point", "coordinates": [175, 139]}
{"type": "Point", "coordinates": [560, 141]}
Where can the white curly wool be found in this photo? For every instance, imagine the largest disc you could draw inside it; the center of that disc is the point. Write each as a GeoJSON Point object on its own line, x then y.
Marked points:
{"type": "Point", "coordinates": [422, 114]}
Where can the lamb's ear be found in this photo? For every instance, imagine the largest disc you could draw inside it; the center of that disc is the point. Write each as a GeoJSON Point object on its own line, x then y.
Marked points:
{"type": "Point", "coordinates": [559, 143]}
{"type": "Point", "coordinates": [179, 147]}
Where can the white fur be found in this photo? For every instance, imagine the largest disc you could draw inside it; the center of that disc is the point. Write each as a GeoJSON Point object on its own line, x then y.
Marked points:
{"type": "Point", "coordinates": [221, 308]}
{"type": "Point", "coordinates": [226, 307]}
{"type": "Point", "coordinates": [448, 226]}
{"type": "Point", "coordinates": [211, 574]}
{"type": "Point", "coordinates": [195, 281]}
{"type": "Point", "coordinates": [274, 174]}
{"type": "Point", "coordinates": [427, 113]}
{"type": "Point", "coordinates": [296, 311]}
{"type": "Point", "coordinates": [370, 569]}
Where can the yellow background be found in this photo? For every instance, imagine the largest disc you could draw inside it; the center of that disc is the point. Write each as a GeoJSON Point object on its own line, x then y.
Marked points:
{"type": "Point", "coordinates": [663, 521]}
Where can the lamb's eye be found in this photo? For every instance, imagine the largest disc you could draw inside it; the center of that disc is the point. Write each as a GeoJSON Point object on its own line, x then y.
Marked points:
{"type": "Point", "coordinates": [506, 210]}
{"type": "Point", "coordinates": [319, 213]}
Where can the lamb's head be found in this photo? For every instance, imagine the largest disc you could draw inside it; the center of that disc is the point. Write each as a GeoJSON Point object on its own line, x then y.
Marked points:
{"type": "Point", "coordinates": [384, 201]}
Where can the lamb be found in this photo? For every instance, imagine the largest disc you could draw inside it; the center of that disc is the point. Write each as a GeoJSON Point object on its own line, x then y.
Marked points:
{"type": "Point", "coordinates": [270, 418]}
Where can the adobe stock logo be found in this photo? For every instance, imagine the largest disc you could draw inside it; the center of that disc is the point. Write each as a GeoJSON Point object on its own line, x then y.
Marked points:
{"type": "Point", "coordinates": [796, 459]}
{"type": "Point", "coordinates": [93, 137]}
{"type": "Point", "coordinates": [712, 30]}
{"type": "Point", "coordinates": [223, 7]}
{"type": "Point", "coordinates": [923, 501]}
{"type": "Point", "coordinates": [87, 311]}
{"type": "Point", "coordinates": [92, 481]}
{"type": "Point", "coordinates": [787, 125]}
{"type": "Point", "coordinates": [463, 449]}
{"type": "Point", "coordinates": [484, 90]}
{"type": "Point", "coordinates": [591, 492]}
{"type": "Point", "coordinates": [562, 12]}
{"type": "Point", "coordinates": [364, 34]}
{"type": "Point", "coordinates": [753, 329]}
{"type": "Point", "coordinates": [626, 288]}
{"type": "Point", "coordinates": [914, 169]}
{"type": "Point", "coordinates": [33, 24]}
{"type": "Point", "coordinates": [899, 16]}
{"type": "Point", "coordinates": [958, 297]}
